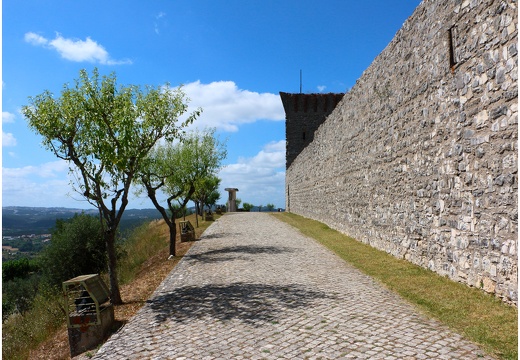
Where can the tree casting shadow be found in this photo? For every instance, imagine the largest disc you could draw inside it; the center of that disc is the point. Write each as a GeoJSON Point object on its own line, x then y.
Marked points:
{"type": "Point", "coordinates": [253, 304]}
{"type": "Point", "coordinates": [234, 253]}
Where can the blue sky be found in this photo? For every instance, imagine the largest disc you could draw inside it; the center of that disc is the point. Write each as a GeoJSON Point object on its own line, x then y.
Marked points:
{"type": "Point", "coordinates": [233, 58]}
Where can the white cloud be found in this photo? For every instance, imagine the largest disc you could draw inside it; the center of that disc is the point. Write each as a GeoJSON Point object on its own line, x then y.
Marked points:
{"type": "Point", "coordinates": [157, 26]}
{"type": "Point", "coordinates": [276, 146]}
{"type": "Point", "coordinates": [46, 185]}
{"type": "Point", "coordinates": [225, 106]}
{"type": "Point", "coordinates": [79, 50]}
{"type": "Point", "coordinates": [75, 49]}
{"type": "Point", "coordinates": [51, 169]}
{"type": "Point", "coordinates": [7, 117]}
{"type": "Point", "coordinates": [8, 139]}
{"type": "Point", "coordinates": [321, 88]}
{"type": "Point", "coordinates": [42, 185]}
{"type": "Point", "coordinates": [35, 39]}
{"type": "Point", "coordinates": [260, 179]}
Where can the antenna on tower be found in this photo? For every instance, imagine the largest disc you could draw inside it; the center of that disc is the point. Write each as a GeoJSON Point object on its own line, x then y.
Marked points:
{"type": "Point", "coordinates": [300, 81]}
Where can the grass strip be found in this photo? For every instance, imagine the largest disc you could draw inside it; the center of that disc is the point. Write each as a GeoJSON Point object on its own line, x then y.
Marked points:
{"type": "Point", "coordinates": [478, 316]}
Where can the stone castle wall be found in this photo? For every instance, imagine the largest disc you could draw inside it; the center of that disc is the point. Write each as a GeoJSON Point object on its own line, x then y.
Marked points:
{"type": "Point", "coordinates": [420, 157]}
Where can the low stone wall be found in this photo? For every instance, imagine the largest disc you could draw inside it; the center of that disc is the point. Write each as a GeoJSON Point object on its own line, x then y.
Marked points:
{"type": "Point", "coordinates": [420, 157]}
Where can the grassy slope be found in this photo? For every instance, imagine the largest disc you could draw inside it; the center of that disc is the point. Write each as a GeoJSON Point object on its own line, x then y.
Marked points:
{"type": "Point", "coordinates": [471, 312]}
{"type": "Point", "coordinates": [43, 335]}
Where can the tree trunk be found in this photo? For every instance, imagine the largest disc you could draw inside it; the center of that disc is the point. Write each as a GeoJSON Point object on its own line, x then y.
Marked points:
{"type": "Point", "coordinates": [173, 237]}
{"type": "Point", "coordinates": [196, 214]}
{"type": "Point", "coordinates": [115, 295]}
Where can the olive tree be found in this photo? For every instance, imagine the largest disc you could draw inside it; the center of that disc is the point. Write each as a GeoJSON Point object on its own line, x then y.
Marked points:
{"type": "Point", "coordinates": [173, 169]}
{"type": "Point", "coordinates": [104, 131]}
{"type": "Point", "coordinates": [212, 198]}
{"type": "Point", "coordinates": [247, 206]}
{"type": "Point", "coordinates": [237, 203]}
{"type": "Point", "coordinates": [206, 192]}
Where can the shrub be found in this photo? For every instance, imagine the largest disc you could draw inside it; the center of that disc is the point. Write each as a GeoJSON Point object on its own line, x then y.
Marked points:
{"type": "Point", "coordinates": [77, 248]}
{"type": "Point", "coordinates": [18, 295]}
{"type": "Point", "coordinates": [19, 268]}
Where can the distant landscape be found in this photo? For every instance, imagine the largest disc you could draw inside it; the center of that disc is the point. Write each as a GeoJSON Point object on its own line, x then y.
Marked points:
{"type": "Point", "coordinates": [26, 230]}
{"type": "Point", "coordinates": [18, 220]}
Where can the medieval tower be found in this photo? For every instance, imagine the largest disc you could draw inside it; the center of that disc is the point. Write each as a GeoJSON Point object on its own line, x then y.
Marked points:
{"type": "Point", "coordinates": [304, 113]}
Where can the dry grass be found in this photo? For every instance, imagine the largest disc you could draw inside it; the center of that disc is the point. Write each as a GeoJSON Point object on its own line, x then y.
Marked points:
{"type": "Point", "coordinates": [150, 265]}
{"type": "Point", "coordinates": [478, 316]}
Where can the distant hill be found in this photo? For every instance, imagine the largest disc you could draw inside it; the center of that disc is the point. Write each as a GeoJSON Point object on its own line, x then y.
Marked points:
{"type": "Point", "coordinates": [264, 209]}
{"type": "Point", "coordinates": [19, 220]}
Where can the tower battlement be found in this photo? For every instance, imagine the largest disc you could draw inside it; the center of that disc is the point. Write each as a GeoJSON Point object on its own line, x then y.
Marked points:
{"type": "Point", "coordinates": [304, 113]}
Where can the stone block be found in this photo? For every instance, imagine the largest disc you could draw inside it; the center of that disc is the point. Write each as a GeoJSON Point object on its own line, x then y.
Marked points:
{"type": "Point", "coordinates": [488, 285]}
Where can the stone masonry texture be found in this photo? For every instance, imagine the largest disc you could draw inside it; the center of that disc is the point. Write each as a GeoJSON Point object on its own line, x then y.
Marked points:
{"type": "Point", "coordinates": [255, 288]}
{"type": "Point", "coordinates": [419, 158]}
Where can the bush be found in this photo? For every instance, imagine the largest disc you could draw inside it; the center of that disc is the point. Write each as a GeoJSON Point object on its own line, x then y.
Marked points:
{"type": "Point", "coordinates": [77, 248]}
{"type": "Point", "coordinates": [20, 286]}
{"type": "Point", "coordinates": [20, 268]}
{"type": "Point", "coordinates": [18, 295]}
{"type": "Point", "coordinates": [23, 332]}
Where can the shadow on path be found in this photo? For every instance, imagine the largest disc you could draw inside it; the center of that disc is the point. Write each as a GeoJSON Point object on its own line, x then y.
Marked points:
{"type": "Point", "coordinates": [233, 253]}
{"type": "Point", "coordinates": [253, 304]}
{"type": "Point", "coordinates": [217, 235]}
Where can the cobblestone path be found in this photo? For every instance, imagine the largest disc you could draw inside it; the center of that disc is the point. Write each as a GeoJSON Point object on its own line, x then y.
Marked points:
{"type": "Point", "coordinates": [255, 288]}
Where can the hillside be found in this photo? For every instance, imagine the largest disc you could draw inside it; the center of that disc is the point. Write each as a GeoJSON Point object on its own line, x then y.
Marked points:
{"type": "Point", "coordinates": [18, 220]}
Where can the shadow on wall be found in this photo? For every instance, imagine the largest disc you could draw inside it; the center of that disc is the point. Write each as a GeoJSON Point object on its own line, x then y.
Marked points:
{"type": "Point", "coordinates": [254, 304]}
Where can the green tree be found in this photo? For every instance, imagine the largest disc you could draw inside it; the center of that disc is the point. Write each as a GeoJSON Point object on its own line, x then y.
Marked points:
{"type": "Point", "coordinates": [104, 132]}
{"type": "Point", "coordinates": [174, 169]}
{"type": "Point", "coordinates": [18, 294]}
{"type": "Point", "coordinates": [270, 207]}
{"type": "Point", "coordinates": [247, 206]}
{"type": "Point", "coordinates": [237, 202]}
{"type": "Point", "coordinates": [212, 199]}
{"type": "Point", "coordinates": [206, 192]}
{"type": "Point", "coordinates": [20, 268]}
{"type": "Point", "coordinates": [77, 247]}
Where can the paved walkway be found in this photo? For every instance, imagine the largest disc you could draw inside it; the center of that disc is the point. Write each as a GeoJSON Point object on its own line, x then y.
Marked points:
{"type": "Point", "coordinates": [255, 288]}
